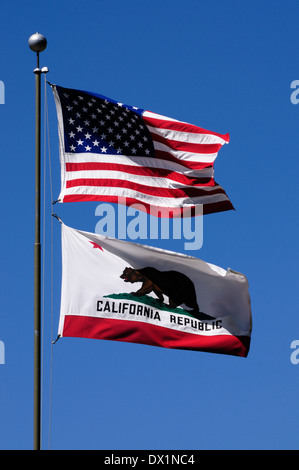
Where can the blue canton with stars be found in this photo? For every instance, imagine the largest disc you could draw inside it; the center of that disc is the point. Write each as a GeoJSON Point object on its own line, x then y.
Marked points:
{"type": "Point", "coordinates": [96, 124]}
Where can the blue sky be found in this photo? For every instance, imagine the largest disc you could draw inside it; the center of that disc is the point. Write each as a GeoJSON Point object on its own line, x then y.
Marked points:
{"type": "Point", "coordinates": [227, 67]}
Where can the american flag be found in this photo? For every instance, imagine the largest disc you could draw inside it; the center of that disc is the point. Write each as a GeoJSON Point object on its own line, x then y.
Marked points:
{"type": "Point", "coordinates": [113, 152]}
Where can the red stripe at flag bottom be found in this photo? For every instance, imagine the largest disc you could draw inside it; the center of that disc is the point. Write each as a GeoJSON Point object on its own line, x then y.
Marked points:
{"type": "Point", "coordinates": [152, 335]}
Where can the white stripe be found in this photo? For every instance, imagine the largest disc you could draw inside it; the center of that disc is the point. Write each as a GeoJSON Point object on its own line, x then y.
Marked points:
{"type": "Point", "coordinates": [126, 193]}
{"type": "Point", "coordinates": [135, 161]}
{"type": "Point", "coordinates": [218, 139]}
{"type": "Point", "coordinates": [158, 116]}
{"type": "Point", "coordinates": [157, 182]}
{"type": "Point", "coordinates": [186, 137]}
{"type": "Point", "coordinates": [188, 156]}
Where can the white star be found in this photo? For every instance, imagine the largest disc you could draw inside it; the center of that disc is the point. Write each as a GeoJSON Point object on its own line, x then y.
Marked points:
{"type": "Point", "coordinates": [80, 142]}
{"type": "Point", "coordinates": [86, 122]}
{"type": "Point", "coordinates": [95, 129]}
{"type": "Point", "coordinates": [79, 129]}
{"type": "Point", "coordinates": [96, 143]}
{"type": "Point", "coordinates": [119, 150]}
{"type": "Point", "coordinates": [103, 136]}
{"type": "Point", "coordinates": [87, 136]}
{"type": "Point", "coordinates": [87, 148]}
{"type": "Point", "coordinates": [73, 148]}
{"type": "Point", "coordinates": [71, 134]}
{"type": "Point", "coordinates": [69, 108]}
{"type": "Point", "coordinates": [147, 151]}
{"type": "Point", "coordinates": [119, 104]}
{"type": "Point", "coordinates": [71, 121]}
{"type": "Point", "coordinates": [103, 150]}
{"type": "Point", "coordinates": [134, 150]}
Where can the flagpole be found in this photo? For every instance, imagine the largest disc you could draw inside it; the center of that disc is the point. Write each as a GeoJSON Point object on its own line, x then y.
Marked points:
{"type": "Point", "coordinates": [37, 43]}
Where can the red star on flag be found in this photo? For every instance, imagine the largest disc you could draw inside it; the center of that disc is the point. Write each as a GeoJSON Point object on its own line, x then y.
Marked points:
{"type": "Point", "coordinates": [95, 245]}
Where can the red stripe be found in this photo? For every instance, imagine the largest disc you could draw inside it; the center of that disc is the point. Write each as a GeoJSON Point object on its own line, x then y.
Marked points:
{"type": "Point", "coordinates": [145, 333]}
{"type": "Point", "coordinates": [186, 146]}
{"type": "Point", "coordinates": [150, 190]}
{"type": "Point", "coordinates": [140, 170]}
{"type": "Point", "coordinates": [181, 126]}
{"type": "Point", "coordinates": [220, 206]}
{"type": "Point", "coordinates": [208, 208]}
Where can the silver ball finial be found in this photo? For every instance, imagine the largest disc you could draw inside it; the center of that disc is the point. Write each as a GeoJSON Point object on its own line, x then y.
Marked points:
{"type": "Point", "coordinates": [37, 42]}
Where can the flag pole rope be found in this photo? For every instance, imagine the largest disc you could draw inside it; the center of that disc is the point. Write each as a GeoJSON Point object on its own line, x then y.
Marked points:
{"type": "Point", "coordinates": [43, 271]}
{"type": "Point", "coordinates": [47, 148]}
{"type": "Point", "coordinates": [52, 260]}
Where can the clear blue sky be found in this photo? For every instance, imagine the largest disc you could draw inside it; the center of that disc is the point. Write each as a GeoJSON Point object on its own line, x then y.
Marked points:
{"type": "Point", "coordinates": [227, 67]}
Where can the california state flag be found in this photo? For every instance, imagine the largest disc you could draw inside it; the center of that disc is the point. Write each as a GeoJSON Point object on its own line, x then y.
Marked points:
{"type": "Point", "coordinates": [122, 291]}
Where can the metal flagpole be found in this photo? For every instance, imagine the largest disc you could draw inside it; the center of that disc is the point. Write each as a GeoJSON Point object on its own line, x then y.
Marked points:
{"type": "Point", "coordinates": [37, 43]}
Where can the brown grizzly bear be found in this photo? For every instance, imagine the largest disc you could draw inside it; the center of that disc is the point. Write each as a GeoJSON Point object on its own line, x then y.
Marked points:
{"type": "Point", "coordinates": [176, 286]}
